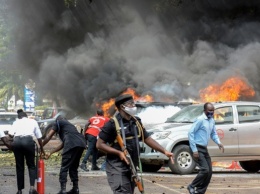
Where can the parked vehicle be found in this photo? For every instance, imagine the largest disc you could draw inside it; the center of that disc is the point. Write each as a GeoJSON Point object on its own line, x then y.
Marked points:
{"type": "Point", "coordinates": [80, 122]}
{"type": "Point", "coordinates": [51, 112]}
{"type": "Point", "coordinates": [46, 124]}
{"type": "Point", "coordinates": [238, 127]}
{"type": "Point", "coordinates": [6, 121]}
{"type": "Point", "coordinates": [2, 109]}
{"type": "Point", "coordinates": [32, 115]}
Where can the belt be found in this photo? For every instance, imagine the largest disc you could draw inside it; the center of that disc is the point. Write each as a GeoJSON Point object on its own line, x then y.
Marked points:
{"type": "Point", "coordinates": [23, 136]}
{"type": "Point", "coordinates": [201, 146]}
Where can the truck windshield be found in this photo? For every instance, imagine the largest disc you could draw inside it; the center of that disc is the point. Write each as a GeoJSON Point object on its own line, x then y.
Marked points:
{"type": "Point", "coordinates": [186, 115]}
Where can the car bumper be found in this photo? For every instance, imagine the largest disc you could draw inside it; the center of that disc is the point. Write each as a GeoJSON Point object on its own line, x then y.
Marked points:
{"type": "Point", "coordinates": [149, 154]}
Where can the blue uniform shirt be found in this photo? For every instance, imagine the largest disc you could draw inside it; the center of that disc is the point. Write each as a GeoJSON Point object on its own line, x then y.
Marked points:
{"type": "Point", "coordinates": [200, 132]}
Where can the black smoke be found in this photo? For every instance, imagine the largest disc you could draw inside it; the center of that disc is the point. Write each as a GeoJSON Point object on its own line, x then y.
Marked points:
{"type": "Point", "coordinates": [86, 53]}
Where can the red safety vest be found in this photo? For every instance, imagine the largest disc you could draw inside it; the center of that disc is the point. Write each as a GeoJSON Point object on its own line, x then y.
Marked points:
{"type": "Point", "coordinates": [96, 123]}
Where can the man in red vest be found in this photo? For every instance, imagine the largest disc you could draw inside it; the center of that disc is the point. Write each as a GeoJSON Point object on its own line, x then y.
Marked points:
{"type": "Point", "coordinates": [93, 127]}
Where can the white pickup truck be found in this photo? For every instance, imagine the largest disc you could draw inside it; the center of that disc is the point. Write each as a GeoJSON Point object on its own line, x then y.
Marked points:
{"type": "Point", "coordinates": [238, 127]}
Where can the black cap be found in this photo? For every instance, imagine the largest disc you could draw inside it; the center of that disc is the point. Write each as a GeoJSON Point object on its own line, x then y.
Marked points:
{"type": "Point", "coordinates": [19, 110]}
{"type": "Point", "coordinates": [123, 98]}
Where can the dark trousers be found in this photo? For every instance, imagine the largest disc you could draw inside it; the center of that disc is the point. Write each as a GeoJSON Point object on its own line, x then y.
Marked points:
{"type": "Point", "coordinates": [92, 150]}
{"type": "Point", "coordinates": [70, 162]}
{"type": "Point", "coordinates": [24, 147]}
{"type": "Point", "coordinates": [203, 178]}
{"type": "Point", "coordinates": [121, 184]}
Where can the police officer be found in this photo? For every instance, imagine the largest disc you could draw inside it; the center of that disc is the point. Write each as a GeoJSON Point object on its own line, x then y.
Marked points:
{"type": "Point", "coordinates": [93, 127]}
{"type": "Point", "coordinates": [23, 145]}
{"type": "Point", "coordinates": [203, 129]}
{"type": "Point", "coordinates": [117, 168]}
{"type": "Point", "coordinates": [73, 144]}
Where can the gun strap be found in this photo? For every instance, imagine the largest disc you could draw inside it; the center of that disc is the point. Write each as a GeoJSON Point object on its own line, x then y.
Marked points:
{"type": "Point", "coordinates": [139, 126]}
{"type": "Point", "coordinates": [117, 126]}
{"type": "Point", "coordinates": [122, 131]}
{"type": "Point", "coordinates": [139, 160]}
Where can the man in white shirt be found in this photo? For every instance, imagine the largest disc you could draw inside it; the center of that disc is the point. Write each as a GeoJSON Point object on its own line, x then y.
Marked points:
{"type": "Point", "coordinates": [23, 145]}
{"type": "Point", "coordinates": [5, 140]}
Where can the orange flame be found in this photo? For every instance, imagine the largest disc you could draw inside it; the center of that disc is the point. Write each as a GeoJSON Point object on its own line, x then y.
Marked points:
{"type": "Point", "coordinates": [232, 89]}
{"type": "Point", "coordinates": [106, 106]}
{"type": "Point", "coordinates": [137, 97]}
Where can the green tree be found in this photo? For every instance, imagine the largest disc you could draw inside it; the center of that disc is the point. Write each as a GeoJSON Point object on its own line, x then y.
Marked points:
{"type": "Point", "coordinates": [11, 83]}
{"type": "Point", "coordinates": [4, 31]}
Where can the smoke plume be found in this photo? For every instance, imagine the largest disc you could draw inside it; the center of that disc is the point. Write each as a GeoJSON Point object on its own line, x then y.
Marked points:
{"type": "Point", "coordinates": [87, 53]}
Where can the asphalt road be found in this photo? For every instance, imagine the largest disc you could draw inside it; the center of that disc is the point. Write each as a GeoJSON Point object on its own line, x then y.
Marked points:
{"type": "Point", "coordinates": [224, 181]}
{"type": "Point", "coordinates": [162, 182]}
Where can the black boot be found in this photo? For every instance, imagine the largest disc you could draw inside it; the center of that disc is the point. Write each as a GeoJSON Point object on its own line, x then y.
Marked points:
{"type": "Point", "coordinates": [62, 188]}
{"type": "Point", "coordinates": [33, 191]}
{"type": "Point", "coordinates": [75, 188]}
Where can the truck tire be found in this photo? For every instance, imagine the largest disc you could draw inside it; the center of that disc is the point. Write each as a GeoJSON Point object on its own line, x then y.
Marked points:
{"type": "Point", "coordinates": [250, 166]}
{"type": "Point", "coordinates": [151, 167]}
{"type": "Point", "coordinates": [183, 161]}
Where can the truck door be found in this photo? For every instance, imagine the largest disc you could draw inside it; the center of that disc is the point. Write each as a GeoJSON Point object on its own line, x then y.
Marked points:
{"type": "Point", "coordinates": [249, 129]}
{"type": "Point", "coordinates": [227, 132]}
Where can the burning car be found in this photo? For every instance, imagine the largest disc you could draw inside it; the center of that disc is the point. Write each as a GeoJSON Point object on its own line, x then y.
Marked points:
{"type": "Point", "coordinates": [153, 113]}
{"type": "Point", "coordinates": [237, 125]}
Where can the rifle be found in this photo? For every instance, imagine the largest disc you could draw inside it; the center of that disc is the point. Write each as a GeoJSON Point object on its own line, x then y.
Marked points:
{"type": "Point", "coordinates": [135, 176]}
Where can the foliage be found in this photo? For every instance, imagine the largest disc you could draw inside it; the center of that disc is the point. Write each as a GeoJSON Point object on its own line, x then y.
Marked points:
{"type": "Point", "coordinates": [41, 107]}
{"type": "Point", "coordinates": [11, 83]}
{"type": "Point", "coordinates": [8, 160]}
{"type": "Point", "coordinates": [4, 31]}
{"type": "Point", "coordinates": [10, 79]}
{"type": "Point", "coordinates": [70, 3]}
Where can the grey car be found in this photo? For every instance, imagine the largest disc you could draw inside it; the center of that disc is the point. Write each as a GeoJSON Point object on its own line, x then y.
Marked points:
{"type": "Point", "coordinates": [238, 127]}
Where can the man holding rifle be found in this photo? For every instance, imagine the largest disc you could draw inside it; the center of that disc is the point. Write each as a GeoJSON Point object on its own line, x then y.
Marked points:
{"type": "Point", "coordinates": [123, 133]}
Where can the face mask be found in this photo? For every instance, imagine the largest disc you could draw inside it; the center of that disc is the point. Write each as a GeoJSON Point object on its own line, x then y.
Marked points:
{"type": "Point", "coordinates": [130, 111]}
{"type": "Point", "coordinates": [210, 114]}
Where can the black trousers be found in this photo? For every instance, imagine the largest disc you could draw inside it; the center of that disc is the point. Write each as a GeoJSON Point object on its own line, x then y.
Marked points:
{"type": "Point", "coordinates": [121, 183]}
{"type": "Point", "coordinates": [24, 147]}
{"type": "Point", "coordinates": [203, 178]}
{"type": "Point", "coordinates": [70, 163]}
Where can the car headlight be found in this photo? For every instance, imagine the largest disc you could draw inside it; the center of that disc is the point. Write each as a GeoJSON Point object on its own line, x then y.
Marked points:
{"type": "Point", "coordinates": [160, 135]}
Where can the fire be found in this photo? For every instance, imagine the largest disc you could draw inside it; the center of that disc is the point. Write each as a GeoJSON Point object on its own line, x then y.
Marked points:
{"type": "Point", "coordinates": [106, 106]}
{"type": "Point", "coordinates": [137, 97]}
{"type": "Point", "coordinates": [232, 89]}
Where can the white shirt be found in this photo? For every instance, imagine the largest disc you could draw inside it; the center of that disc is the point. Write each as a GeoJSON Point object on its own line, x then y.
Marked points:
{"type": "Point", "coordinates": [24, 127]}
{"type": "Point", "coordinates": [2, 134]}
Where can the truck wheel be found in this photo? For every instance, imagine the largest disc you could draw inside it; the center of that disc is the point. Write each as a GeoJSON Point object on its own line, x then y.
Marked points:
{"type": "Point", "coordinates": [151, 167]}
{"type": "Point", "coordinates": [183, 161]}
{"type": "Point", "coordinates": [250, 166]}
